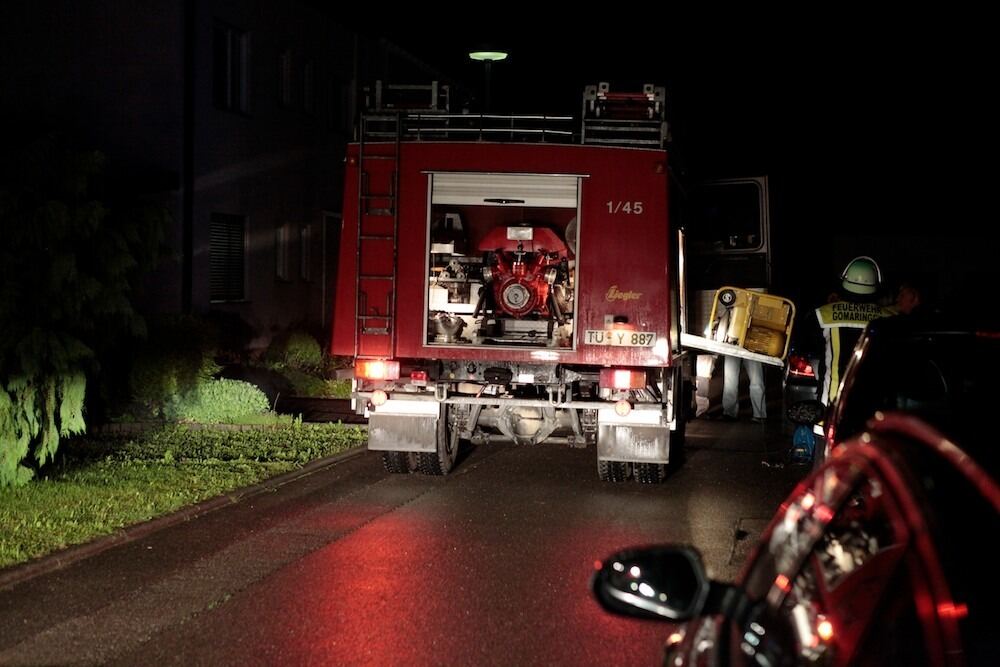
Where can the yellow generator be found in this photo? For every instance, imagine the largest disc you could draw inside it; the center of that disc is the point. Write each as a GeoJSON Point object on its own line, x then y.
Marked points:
{"type": "Point", "coordinates": [757, 322]}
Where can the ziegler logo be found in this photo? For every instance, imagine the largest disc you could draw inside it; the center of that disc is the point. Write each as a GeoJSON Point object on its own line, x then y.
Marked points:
{"type": "Point", "coordinates": [614, 294]}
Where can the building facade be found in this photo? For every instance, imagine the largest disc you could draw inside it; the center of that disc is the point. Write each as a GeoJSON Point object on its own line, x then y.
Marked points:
{"type": "Point", "coordinates": [233, 114]}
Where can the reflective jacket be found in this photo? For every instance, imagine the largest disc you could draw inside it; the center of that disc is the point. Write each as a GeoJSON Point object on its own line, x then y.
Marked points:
{"type": "Point", "coordinates": [842, 323]}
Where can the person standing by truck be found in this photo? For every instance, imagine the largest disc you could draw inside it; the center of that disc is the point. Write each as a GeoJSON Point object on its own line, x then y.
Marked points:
{"type": "Point", "coordinates": [731, 376]}
{"type": "Point", "coordinates": [731, 386]}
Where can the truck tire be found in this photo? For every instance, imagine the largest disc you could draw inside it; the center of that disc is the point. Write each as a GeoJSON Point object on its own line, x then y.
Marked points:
{"type": "Point", "coordinates": [397, 463]}
{"type": "Point", "coordinates": [650, 473]}
{"type": "Point", "coordinates": [613, 471]}
{"type": "Point", "coordinates": [443, 460]}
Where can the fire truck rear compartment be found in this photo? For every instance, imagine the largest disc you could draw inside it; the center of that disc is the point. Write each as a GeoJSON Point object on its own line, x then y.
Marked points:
{"type": "Point", "coordinates": [501, 260]}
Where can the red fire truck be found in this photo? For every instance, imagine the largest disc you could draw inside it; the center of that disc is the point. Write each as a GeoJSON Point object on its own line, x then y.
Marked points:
{"type": "Point", "coordinates": [514, 277]}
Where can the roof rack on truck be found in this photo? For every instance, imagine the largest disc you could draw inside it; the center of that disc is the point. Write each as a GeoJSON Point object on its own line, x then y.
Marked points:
{"type": "Point", "coordinates": [422, 113]}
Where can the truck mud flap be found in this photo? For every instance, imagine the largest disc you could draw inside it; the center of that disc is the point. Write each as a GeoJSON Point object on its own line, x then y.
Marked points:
{"type": "Point", "coordinates": [641, 436]}
{"type": "Point", "coordinates": [414, 430]}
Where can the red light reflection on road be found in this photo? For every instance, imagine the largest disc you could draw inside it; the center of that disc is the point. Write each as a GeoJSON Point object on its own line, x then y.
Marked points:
{"type": "Point", "coordinates": [952, 610]}
{"type": "Point", "coordinates": [423, 583]}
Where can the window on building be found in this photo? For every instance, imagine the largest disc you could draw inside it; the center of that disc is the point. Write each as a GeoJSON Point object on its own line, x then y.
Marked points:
{"type": "Point", "coordinates": [231, 68]}
{"type": "Point", "coordinates": [285, 78]}
{"type": "Point", "coordinates": [226, 257]}
{"type": "Point", "coordinates": [305, 254]}
{"type": "Point", "coordinates": [281, 252]}
{"type": "Point", "coordinates": [309, 87]}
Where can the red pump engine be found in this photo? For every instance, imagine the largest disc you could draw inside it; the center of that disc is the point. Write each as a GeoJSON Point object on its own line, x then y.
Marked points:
{"type": "Point", "coordinates": [522, 280]}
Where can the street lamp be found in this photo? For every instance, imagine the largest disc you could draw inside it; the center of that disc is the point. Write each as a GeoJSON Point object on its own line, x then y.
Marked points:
{"type": "Point", "coordinates": [487, 57]}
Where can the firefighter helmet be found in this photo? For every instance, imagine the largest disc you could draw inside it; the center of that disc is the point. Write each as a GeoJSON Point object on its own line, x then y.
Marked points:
{"type": "Point", "coordinates": [861, 276]}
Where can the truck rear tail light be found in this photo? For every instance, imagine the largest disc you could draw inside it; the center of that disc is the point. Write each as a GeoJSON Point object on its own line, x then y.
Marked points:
{"type": "Point", "coordinates": [622, 408]}
{"type": "Point", "coordinates": [379, 397]}
{"type": "Point", "coordinates": [376, 369]}
{"type": "Point", "coordinates": [622, 378]}
{"type": "Point", "coordinates": [800, 366]}
{"type": "Point", "coordinates": [418, 378]}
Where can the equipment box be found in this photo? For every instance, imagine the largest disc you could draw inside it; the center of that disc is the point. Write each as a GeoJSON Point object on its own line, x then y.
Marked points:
{"type": "Point", "coordinates": [758, 326]}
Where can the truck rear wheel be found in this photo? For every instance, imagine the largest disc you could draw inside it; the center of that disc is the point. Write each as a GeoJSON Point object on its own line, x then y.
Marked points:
{"type": "Point", "coordinates": [398, 463]}
{"type": "Point", "coordinates": [613, 471]}
{"type": "Point", "coordinates": [650, 473]}
{"type": "Point", "coordinates": [442, 461]}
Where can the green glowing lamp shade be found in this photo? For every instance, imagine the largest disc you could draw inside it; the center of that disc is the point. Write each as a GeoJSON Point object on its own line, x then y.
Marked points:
{"type": "Point", "coordinates": [487, 55]}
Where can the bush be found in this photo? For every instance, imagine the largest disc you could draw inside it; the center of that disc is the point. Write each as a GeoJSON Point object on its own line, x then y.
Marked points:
{"type": "Point", "coordinates": [173, 363]}
{"type": "Point", "coordinates": [296, 349]}
{"type": "Point", "coordinates": [305, 384]}
{"type": "Point", "coordinates": [73, 248]}
{"type": "Point", "coordinates": [214, 401]}
{"type": "Point", "coordinates": [338, 388]}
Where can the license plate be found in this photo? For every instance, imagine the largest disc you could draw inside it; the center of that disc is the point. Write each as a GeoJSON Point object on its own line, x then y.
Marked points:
{"type": "Point", "coordinates": [619, 338]}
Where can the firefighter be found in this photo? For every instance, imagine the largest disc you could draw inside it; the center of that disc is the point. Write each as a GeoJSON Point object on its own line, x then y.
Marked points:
{"type": "Point", "coordinates": [843, 320]}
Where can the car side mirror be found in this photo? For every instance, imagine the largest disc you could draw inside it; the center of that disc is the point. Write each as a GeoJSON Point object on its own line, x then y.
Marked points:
{"type": "Point", "coordinates": [661, 582]}
{"type": "Point", "coordinates": [806, 413]}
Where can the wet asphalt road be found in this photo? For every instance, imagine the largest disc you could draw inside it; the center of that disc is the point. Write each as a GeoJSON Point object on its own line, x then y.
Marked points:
{"type": "Point", "coordinates": [352, 566]}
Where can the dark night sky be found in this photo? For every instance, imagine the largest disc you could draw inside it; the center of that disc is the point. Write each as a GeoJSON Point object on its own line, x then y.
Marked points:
{"type": "Point", "coordinates": [865, 123]}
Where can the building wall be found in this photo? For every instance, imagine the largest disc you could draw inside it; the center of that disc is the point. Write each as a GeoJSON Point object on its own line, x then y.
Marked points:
{"type": "Point", "coordinates": [278, 162]}
{"type": "Point", "coordinates": [135, 79]}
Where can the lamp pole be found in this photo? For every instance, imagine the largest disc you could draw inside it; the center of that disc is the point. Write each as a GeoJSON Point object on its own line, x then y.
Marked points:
{"type": "Point", "coordinates": [487, 57]}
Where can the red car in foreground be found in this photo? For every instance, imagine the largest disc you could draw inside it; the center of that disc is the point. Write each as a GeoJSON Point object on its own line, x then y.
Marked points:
{"type": "Point", "coordinates": [879, 557]}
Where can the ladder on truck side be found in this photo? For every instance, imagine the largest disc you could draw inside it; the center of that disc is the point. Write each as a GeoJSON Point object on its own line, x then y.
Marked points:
{"type": "Point", "coordinates": [377, 235]}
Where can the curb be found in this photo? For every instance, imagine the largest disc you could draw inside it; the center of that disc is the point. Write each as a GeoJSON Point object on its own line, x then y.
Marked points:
{"type": "Point", "coordinates": [72, 554]}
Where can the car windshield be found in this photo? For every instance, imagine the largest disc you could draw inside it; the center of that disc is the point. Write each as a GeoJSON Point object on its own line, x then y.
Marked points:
{"type": "Point", "coordinates": [947, 379]}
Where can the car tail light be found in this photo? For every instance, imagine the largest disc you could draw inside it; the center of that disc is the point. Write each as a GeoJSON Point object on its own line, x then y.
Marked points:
{"type": "Point", "coordinates": [623, 378]}
{"type": "Point", "coordinates": [800, 366]}
{"type": "Point", "coordinates": [952, 610]}
{"type": "Point", "coordinates": [808, 501]}
{"type": "Point", "coordinates": [823, 513]}
{"type": "Point", "coordinates": [824, 628]}
{"type": "Point", "coordinates": [376, 369]}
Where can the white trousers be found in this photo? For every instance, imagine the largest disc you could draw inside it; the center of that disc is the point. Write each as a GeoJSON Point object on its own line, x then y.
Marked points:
{"type": "Point", "coordinates": [731, 387]}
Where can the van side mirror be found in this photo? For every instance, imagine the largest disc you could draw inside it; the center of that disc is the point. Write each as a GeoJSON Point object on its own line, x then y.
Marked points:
{"type": "Point", "coordinates": [661, 582]}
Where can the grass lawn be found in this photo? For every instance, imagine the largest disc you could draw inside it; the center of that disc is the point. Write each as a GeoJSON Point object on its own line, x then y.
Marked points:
{"type": "Point", "coordinates": [105, 483]}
